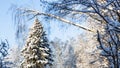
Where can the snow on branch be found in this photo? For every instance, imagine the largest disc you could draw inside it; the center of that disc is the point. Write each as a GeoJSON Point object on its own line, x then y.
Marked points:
{"type": "Point", "coordinates": [109, 45]}
{"type": "Point", "coordinates": [37, 13]}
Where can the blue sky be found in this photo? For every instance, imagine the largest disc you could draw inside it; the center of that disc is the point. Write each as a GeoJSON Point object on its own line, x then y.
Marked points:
{"type": "Point", "coordinates": [6, 25]}
{"type": "Point", "coordinates": [7, 29]}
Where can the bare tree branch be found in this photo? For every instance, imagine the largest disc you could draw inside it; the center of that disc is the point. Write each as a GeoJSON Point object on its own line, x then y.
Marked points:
{"type": "Point", "coordinates": [36, 13]}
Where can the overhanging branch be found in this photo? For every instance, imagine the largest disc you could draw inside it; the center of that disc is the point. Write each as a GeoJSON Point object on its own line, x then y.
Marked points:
{"type": "Point", "coordinates": [36, 13]}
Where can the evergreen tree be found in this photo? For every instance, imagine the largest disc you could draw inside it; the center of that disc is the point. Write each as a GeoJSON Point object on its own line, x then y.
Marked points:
{"type": "Point", "coordinates": [36, 52]}
{"type": "Point", "coordinates": [4, 46]}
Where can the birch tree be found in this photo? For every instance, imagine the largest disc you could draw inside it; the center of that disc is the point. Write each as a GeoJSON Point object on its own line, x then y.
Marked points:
{"type": "Point", "coordinates": [105, 12]}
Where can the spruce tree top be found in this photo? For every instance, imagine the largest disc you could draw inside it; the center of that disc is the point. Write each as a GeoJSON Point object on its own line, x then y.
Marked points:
{"type": "Point", "coordinates": [36, 51]}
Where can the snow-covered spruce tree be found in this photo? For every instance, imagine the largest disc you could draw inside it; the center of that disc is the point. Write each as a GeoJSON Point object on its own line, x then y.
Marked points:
{"type": "Point", "coordinates": [37, 53]}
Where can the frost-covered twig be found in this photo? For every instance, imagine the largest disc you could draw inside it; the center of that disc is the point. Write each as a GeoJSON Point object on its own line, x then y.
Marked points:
{"type": "Point", "coordinates": [36, 13]}
{"type": "Point", "coordinates": [110, 47]}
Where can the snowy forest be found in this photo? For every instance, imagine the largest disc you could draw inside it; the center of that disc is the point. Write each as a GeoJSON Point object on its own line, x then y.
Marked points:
{"type": "Point", "coordinates": [64, 34]}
